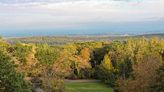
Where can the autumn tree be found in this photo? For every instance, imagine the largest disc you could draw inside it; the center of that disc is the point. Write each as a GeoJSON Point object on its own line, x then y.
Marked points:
{"type": "Point", "coordinates": [144, 73]}
{"type": "Point", "coordinates": [107, 64]}
{"type": "Point", "coordinates": [105, 71]}
{"type": "Point", "coordinates": [10, 79]}
{"type": "Point", "coordinates": [85, 53]}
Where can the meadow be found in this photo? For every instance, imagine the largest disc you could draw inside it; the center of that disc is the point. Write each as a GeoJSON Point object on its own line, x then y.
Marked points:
{"type": "Point", "coordinates": [87, 87]}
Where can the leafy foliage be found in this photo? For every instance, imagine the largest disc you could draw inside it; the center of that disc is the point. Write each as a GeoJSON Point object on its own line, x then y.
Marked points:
{"type": "Point", "coordinates": [46, 54]}
{"type": "Point", "coordinates": [10, 79]}
{"type": "Point", "coordinates": [107, 64]}
{"type": "Point", "coordinates": [159, 82]}
{"type": "Point", "coordinates": [144, 73]}
{"type": "Point", "coordinates": [21, 51]}
{"type": "Point", "coordinates": [124, 64]}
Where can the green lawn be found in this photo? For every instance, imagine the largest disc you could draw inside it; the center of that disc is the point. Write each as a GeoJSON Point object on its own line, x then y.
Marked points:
{"type": "Point", "coordinates": [87, 87]}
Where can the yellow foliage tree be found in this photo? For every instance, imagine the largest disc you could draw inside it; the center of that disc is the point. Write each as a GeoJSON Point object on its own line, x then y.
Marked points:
{"type": "Point", "coordinates": [106, 63]}
{"type": "Point", "coordinates": [85, 53]}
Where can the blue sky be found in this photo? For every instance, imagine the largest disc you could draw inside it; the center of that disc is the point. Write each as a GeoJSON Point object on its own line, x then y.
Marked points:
{"type": "Point", "coordinates": [20, 17]}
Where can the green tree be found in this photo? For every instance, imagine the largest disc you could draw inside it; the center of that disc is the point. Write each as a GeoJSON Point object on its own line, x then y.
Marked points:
{"type": "Point", "coordinates": [10, 79]}
{"type": "Point", "coordinates": [105, 71]}
{"type": "Point", "coordinates": [125, 68]}
{"type": "Point", "coordinates": [105, 75]}
{"type": "Point", "coordinates": [4, 45]}
{"type": "Point", "coordinates": [21, 51]}
{"type": "Point", "coordinates": [47, 54]}
{"type": "Point", "coordinates": [159, 84]}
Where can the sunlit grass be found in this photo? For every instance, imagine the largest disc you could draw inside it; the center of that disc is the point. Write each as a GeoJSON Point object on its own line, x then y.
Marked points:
{"type": "Point", "coordinates": [87, 87]}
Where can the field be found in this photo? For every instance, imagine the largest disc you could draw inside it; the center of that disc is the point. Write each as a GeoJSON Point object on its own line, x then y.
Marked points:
{"type": "Point", "coordinates": [87, 87]}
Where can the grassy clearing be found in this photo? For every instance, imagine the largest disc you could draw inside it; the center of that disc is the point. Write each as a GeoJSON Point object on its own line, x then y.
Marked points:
{"type": "Point", "coordinates": [87, 87]}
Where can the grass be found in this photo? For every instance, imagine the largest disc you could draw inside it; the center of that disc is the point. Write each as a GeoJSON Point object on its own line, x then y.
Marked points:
{"type": "Point", "coordinates": [87, 87]}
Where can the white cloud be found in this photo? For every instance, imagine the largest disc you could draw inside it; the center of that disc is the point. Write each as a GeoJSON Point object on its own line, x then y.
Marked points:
{"type": "Point", "coordinates": [40, 13]}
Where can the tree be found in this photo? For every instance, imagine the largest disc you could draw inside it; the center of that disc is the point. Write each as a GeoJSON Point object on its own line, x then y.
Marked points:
{"type": "Point", "coordinates": [4, 46]}
{"type": "Point", "coordinates": [47, 54]}
{"type": "Point", "coordinates": [125, 68]}
{"type": "Point", "coordinates": [105, 71]}
{"type": "Point", "coordinates": [144, 73]}
{"type": "Point", "coordinates": [85, 53]}
{"type": "Point", "coordinates": [159, 83]}
{"type": "Point", "coordinates": [105, 75]}
{"type": "Point", "coordinates": [21, 52]}
{"type": "Point", "coordinates": [10, 79]}
{"type": "Point", "coordinates": [106, 63]}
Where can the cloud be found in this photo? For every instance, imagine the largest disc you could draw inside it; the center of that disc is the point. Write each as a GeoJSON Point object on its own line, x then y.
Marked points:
{"type": "Point", "coordinates": [61, 13]}
{"type": "Point", "coordinates": [58, 1]}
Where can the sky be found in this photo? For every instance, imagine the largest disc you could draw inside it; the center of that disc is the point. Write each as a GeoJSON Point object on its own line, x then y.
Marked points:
{"type": "Point", "coordinates": [54, 17]}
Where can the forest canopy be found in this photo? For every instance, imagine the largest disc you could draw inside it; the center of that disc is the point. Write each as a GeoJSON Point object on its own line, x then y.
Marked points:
{"type": "Point", "coordinates": [123, 65]}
